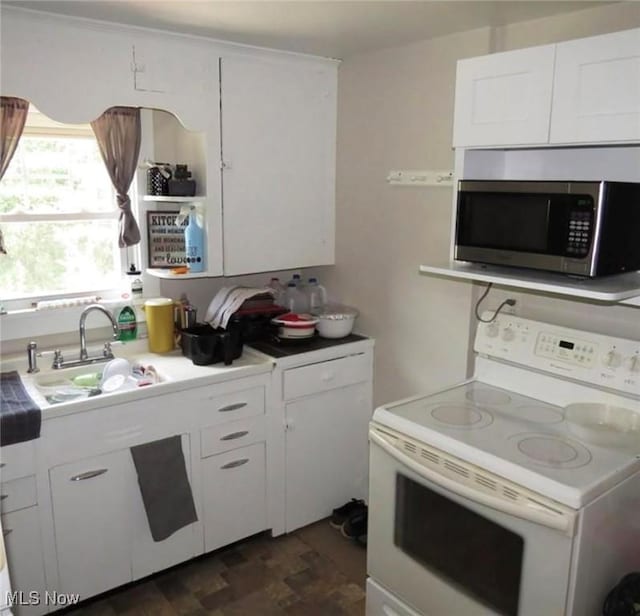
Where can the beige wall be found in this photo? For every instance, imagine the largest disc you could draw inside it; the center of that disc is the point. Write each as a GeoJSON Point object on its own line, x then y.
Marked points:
{"type": "Point", "coordinates": [396, 112]}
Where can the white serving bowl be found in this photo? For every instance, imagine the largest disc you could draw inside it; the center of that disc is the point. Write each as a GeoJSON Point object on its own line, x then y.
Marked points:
{"type": "Point", "coordinates": [335, 321]}
{"type": "Point", "coordinates": [604, 424]}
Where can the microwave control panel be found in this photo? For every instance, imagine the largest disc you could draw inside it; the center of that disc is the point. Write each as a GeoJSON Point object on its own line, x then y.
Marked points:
{"type": "Point", "coordinates": [579, 234]}
{"type": "Point", "coordinates": [595, 359]}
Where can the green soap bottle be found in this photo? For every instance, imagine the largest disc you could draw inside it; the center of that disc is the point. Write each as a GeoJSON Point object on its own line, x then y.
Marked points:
{"type": "Point", "coordinates": [127, 325]}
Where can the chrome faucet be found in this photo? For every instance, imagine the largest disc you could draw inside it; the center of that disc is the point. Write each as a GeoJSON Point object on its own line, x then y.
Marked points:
{"type": "Point", "coordinates": [83, 334]}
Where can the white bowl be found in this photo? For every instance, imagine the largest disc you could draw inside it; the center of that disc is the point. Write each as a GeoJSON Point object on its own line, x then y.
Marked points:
{"type": "Point", "coordinates": [603, 424]}
{"type": "Point", "coordinates": [336, 321]}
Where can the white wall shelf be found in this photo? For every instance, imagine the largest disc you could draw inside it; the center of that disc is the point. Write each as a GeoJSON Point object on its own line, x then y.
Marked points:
{"type": "Point", "coordinates": [166, 274]}
{"type": "Point", "coordinates": [169, 199]}
{"type": "Point", "coordinates": [608, 289]}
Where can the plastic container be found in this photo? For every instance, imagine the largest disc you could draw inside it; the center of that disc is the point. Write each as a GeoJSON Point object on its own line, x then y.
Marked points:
{"type": "Point", "coordinates": [278, 289]}
{"type": "Point", "coordinates": [194, 244]}
{"type": "Point", "coordinates": [160, 324]}
{"type": "Point", "coordinates": [336, 321]}
{"type": "Point", "coordinates": [135, 281]}
{"type": "Point", "coordinates": [295, 300]}
{"type": "Point", "coordinates": [316, 295]}
{"type": "Point", "coordinates": [604, 424]}
{"type": "Point", "coordinates": [127, 324]}
{"type": "Point", "coordinates": [292, 325]}
{"type": "Point", "coordinates": [204, 345]}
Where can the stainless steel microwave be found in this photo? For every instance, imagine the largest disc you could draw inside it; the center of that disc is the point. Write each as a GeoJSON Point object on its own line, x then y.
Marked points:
{"type": "Point", "coordinates": [578, 228]}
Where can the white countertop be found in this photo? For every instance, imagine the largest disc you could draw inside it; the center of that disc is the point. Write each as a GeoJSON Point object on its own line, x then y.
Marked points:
{"type": "Point", "coordinates": [176, 371]}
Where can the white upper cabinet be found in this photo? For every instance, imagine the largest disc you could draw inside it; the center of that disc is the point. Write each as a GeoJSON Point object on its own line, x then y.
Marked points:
{"type": "Point", "coordinates": [596, 95]}
{"type": "Point", "coordinates": [278, 129]}
{"type": "Point", "coordinates": [585, 91]}
{"type": "Point", "coordinates": [504, 98]}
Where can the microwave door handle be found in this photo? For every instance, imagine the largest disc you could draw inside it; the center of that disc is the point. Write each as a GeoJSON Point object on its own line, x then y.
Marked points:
{"type": "Point", "coordinates": [562, 522]}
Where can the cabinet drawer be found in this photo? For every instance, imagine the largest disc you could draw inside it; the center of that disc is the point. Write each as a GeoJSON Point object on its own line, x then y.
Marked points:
{"type": "Point", "coordinates": [232, 435]}
{"type": "Point", "coordinates": [18, 494]}
{"type": "Point", "coordinates": [326, 375]}
{"type": "Point", "coordinates": [232, 406]}
{"type": "Point", "coordinates": [17, 460]}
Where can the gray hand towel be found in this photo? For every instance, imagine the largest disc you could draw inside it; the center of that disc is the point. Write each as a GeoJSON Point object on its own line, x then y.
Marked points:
{"type": "Point", "coordinates": [164, 485]}
{"type": "Point", "coordinates": [20, 416]}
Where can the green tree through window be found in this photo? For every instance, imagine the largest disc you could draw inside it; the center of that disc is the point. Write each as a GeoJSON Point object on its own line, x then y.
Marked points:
{"type": "Point", "coordinates": [59, 218]}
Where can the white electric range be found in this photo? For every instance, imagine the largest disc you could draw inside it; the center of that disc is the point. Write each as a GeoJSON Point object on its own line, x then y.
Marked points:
{"type": "Point", "coordinates": [483, 499]}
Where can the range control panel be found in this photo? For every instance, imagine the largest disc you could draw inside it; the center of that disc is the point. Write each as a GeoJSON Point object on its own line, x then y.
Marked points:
{"type": "Point", "coordinates": [593, 358]}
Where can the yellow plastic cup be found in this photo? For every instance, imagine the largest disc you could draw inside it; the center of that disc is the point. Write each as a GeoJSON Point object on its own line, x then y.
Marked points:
{"type": "Point", "coordinates": [160, 324]}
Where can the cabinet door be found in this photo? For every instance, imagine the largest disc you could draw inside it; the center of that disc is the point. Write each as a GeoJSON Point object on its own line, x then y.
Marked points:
{"type": "Point", "coordinates": [24, 555]}
{"type": "Point", "coordinates": [596, 96]}
{"type": "Point", "coordinates": [149, 556]}
{"type": "Point", "coordinates": [90, 512]}
{"type": "Point", "coordinates": [234, 495]}
{"type": "Point", "coordinates": [278, 129]}
{"type": "Point", "coordinates": [326, 452]}
{"type": "Point", "coordinates": [504, 98]}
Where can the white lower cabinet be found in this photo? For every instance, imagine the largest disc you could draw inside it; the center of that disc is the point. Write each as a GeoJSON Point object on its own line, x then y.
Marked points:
{"type": "Point", "coordinates": [23, 545]}
{"type": "Point", "coordinates": [276, 450]}
{"type": "Point", "coordinates": [234, 495]}
{"type": "Point", "coordinates": [92, 523]}
{"type": "Point", "coordinates": [326, 437]}
{"type": "Point", "coordinates": [147, 555]}
{"type": "Point", "coordinates": [102, 533]}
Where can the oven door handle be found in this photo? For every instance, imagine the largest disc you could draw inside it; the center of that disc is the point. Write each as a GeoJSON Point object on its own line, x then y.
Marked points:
{"type": "Point", "coordinates": [561, 521]}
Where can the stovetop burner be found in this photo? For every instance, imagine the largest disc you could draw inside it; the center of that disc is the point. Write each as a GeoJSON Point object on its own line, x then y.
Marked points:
{"type": "Point", "coordinates": [552, 451]}
{"type": "Point", "coordinates": [488, 396]}
{"type": "Point", "coordinates": [462, 416]}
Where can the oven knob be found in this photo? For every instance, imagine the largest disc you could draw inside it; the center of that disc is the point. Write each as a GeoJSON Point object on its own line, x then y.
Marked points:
{"type": "Point", "coordinates": [493, 330]}
{"type": "Point", "coordinates": [508, 334]}
{"type": "Point", "coordinates": [634, 363]}
{"type": "Point", "coordinates": [612, 359]}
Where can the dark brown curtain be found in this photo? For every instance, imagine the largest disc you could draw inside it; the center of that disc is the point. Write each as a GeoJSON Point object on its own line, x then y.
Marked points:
{"type": "Point", "coordinates": [13, 114]}
{"type": "Point", "coordinates": [117, 131]}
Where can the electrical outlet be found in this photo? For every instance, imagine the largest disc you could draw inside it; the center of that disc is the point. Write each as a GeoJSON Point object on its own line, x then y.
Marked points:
{"type": "Point", "coordinates": [506, 309]}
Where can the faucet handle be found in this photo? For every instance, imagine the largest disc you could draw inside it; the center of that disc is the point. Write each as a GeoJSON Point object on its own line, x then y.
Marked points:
{"type": "Point", "coordinates": [107, 351]}
{"type": "Point", "coordinates": [58, 360]}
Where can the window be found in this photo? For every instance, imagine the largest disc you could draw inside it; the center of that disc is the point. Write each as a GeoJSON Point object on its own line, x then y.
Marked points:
{"type": "Point", "coordinates": [58, 214]}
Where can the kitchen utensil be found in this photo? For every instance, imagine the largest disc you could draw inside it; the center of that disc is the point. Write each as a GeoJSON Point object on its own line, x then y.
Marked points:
{"type": "Point", "coordinates": [160, 325]}
{"type": "Point", "coordinates": [335, 321]}
{"type": "Point", "coordinates": [204, 345]}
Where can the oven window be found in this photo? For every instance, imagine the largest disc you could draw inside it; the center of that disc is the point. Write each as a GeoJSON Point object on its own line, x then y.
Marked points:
{"type": "Point", "coordinates": [470, 551]}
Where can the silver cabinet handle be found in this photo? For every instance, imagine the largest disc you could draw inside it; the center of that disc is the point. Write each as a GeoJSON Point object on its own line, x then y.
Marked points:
{"type": "Point", "coordinates": [6, 531]}
{"type": "Point", "coordinates": [232, 407]}
{"type": "Point", "coordinates": [234, 435]}
{"type": "Point", "coordinates": [235, 463]}
{"type": "Point", "coordinates": [89, 474]}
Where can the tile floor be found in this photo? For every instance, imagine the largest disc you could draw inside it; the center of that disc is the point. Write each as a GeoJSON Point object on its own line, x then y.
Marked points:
{"type": "Point", "coordinates": [311, 572]}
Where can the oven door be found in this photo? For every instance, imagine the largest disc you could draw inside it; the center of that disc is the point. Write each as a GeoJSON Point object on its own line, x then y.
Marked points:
{"type": "Point", "coordinates": [444, 547]}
